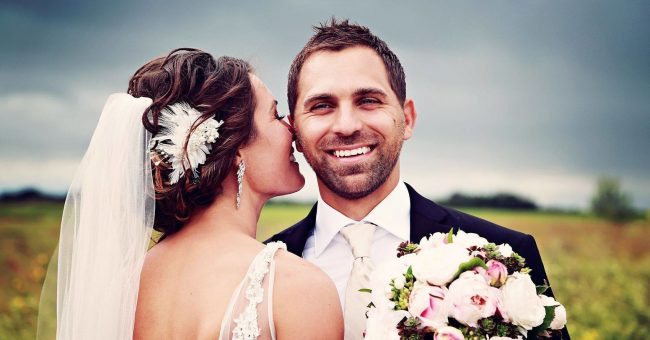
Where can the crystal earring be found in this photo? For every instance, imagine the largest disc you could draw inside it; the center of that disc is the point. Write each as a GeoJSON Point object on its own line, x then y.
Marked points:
{"type": "Point", "coordinates": [240, 180]}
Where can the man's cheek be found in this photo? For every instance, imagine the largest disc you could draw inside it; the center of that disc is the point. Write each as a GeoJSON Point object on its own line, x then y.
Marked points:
{"type": "Point", "coordinates": [298, 145]}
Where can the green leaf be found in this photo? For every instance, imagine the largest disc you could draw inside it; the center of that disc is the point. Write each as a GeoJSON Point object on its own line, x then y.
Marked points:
{"type": "Point", "coordinates": [450, 236]}
{"type": "Point", "coordinates": [365, 290]}
{"type": "Point", "coordinates": [548, 318]}
{"type": "Point", "coordinates": [409, 271]}
{"type": "Point", "coordinates": [543, 288]}
{"type": "Point", "coordinates": [469, 265]}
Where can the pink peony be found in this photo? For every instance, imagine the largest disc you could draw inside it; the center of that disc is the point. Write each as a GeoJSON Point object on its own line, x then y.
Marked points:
{"type": "Point", "coordinates": [427, 303]}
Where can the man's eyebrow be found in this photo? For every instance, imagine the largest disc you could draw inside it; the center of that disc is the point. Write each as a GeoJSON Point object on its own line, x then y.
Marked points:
{"type": "Point", "coordinates": [369, 90]}
{"type": "Point", "coordinates": [317, 97]}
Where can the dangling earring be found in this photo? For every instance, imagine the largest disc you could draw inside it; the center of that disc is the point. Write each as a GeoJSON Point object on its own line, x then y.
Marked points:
{"type": "Point", "coordinates": [240, 181]}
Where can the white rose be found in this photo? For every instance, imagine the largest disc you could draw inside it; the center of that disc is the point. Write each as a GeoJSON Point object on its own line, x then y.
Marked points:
{"type": "Point", "coordinates": [400, 281]}
{"type": "Point", "coordinates": [470, 298]}
{"type": "Point", "coordinates": [467, 240]}
{"type": "Point", "coordinates": [433, 241]}
{"type": "Point", "coordinates": [559, 319]}
{"type": "Point", "coordinates": [407, 259]}
{"type": "Point", "coordinates": [380, 279]}
{"type": "Point", "coordinates": [505, 249]}
{"type": "Point", "coordinates": [448, 333]}
{"type": "Point", "coordinates": [521, 303]}
{"type": "Point", "coordinates": [427, 303]}
{"type": "Point", "coordinates": [382, 324]}
{"type": "Point", "coordinates": [437, 266]}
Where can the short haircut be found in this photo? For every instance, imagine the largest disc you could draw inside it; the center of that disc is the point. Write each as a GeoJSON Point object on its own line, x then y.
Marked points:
{"type": "Point", "coordinates": [337, 35]}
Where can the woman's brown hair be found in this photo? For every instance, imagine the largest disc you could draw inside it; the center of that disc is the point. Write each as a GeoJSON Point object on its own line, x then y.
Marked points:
{"type": "Point", "coordinates": [220, 89]}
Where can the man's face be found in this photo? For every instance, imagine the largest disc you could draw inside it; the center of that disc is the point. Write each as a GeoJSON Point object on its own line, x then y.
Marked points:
{"type": "Point", "coordinates": [349, 123]}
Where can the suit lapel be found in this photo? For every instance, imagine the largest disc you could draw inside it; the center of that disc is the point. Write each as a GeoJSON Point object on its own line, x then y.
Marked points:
{"type": "Point", "coordinates": [426, 216]}
{"type": "Point", "coordinates": [298, 234]}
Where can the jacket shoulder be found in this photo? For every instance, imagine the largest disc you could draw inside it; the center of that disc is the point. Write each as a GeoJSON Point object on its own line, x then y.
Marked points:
{"type": "Point", "coordinates": [491, 231]}
{"type": "Point", "coordinates": [286, 233]}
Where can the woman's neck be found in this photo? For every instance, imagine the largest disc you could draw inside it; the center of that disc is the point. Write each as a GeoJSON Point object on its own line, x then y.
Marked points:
{"type": "Point", "coordinates": [224, 218]}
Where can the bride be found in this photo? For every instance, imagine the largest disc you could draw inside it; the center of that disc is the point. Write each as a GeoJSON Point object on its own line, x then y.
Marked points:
{"type": "Point", "coordinates": [194, 150]}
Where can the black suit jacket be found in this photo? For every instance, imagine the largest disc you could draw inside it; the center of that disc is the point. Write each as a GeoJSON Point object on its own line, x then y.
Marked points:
{"type": "Point", "coordinates": [427, 218]}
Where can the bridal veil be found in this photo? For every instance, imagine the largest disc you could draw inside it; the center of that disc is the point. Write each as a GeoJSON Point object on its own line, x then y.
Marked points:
{"type": "Point", "coordinates": [105, 230]}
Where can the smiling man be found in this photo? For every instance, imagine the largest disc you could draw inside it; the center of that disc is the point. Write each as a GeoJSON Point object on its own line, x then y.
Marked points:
{"type": "Point", "coordinates": [347, 97]}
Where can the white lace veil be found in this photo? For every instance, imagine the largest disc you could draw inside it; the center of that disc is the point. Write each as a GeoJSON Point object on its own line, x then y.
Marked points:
{"type": "Point", "coordinates": [105, 230]}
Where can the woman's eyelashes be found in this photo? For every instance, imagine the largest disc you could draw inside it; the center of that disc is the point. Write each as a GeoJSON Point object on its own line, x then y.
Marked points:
{"type": "Point", "coordinates": [279, 116]}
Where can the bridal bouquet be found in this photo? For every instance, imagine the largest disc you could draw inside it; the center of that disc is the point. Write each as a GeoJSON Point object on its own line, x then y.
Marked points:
{"type": "Point", "coordinates": [458, 287]}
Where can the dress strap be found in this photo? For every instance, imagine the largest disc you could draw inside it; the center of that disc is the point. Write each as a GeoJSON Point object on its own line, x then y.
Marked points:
{"type": "Point", "coordinates": [247, 297]}
{"type": "Point", "coordinates": [269, 305]}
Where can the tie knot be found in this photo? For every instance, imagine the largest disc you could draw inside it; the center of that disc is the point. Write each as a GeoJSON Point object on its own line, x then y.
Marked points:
{"type": "Point", "coordinates": [359, 236]}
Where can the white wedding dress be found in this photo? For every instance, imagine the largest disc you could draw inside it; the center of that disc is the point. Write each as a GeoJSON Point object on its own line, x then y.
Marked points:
{"type": "Point", "coordinates": [250, 311]}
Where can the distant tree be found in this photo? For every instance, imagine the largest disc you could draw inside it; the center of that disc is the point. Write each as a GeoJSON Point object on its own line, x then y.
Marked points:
{"type": "Point", "coordinates": [28, 195]}
{"type": "Point", "coordinates": [611, 203]}
{"type": "Point", "coordinates": [499, 200]}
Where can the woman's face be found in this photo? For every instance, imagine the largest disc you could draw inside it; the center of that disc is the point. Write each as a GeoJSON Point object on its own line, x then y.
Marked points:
{"type": "Point", "coordinates": [271, 168]}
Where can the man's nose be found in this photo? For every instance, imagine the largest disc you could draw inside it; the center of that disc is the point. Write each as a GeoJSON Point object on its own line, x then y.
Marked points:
{"type": "Point", "coordinates": [347, 121]}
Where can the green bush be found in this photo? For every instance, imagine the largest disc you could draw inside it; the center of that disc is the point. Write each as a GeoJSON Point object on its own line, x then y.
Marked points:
{"type": "Point", "coordinates": [611, 203]}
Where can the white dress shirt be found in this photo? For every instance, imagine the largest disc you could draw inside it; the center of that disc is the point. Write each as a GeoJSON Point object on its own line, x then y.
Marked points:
{"type": "Point", "coordinates": [327, 248]}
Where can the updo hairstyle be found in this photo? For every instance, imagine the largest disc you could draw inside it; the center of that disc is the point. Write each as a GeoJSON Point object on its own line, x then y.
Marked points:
{"type": "Point", "coordinates": [219, 89]}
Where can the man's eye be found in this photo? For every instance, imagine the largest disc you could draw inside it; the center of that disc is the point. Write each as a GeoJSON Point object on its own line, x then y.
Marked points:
{"type": "Point", "coordinates": [321, 106]}
{"type": "Point", "coordinates": [368, 100]}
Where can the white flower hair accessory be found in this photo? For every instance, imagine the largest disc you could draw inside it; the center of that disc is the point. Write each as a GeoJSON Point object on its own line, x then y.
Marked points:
{"type": "Point", "coordinates": [176, 121]}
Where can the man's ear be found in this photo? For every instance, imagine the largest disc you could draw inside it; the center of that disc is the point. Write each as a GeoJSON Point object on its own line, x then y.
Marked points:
{"type": "Point", "coordinates": [292, 122]}
{"type": "Point", "coordinates": [410, 115]}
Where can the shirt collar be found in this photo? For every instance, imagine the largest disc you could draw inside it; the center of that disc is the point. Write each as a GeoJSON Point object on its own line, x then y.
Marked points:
{"type": "Point", "coordinates": [391, 214]}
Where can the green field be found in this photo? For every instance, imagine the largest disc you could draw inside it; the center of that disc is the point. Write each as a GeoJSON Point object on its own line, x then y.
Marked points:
{"type": "Point", "coordinates": [599, 271]}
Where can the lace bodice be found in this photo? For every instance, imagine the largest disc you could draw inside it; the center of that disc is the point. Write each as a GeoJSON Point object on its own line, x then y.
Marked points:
{"type": "Point", "coordinates": [246, 318]}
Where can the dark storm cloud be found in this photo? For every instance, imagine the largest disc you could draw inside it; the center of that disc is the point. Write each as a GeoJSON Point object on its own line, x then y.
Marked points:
{"type": "Point", "coordinates": [536, 88]}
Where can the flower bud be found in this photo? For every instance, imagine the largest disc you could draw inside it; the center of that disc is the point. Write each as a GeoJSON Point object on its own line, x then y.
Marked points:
{"type": "Point", "coordinates": [498, 273]}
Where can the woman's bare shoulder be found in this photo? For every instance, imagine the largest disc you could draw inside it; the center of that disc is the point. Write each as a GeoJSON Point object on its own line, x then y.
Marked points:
{"type": "Point", "coordinates": [177, 286]}
{"type": "Point", "coordinates": [298, 271]}
{"type": "Point", "coordinates": [153, 278]}
{"type": "Point", "coordinates": [306, 304]}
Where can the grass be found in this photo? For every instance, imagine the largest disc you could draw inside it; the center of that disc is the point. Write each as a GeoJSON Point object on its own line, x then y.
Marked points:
{"type": "Point", "coordinates": [601, 272]}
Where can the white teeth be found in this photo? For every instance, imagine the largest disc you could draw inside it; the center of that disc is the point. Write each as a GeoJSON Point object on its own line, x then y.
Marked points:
{"type": "Point", "coordinates": [347, 153]}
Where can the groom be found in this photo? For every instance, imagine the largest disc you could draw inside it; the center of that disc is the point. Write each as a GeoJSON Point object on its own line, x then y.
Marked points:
{"type": "Point", "coordinates": [348, 105]}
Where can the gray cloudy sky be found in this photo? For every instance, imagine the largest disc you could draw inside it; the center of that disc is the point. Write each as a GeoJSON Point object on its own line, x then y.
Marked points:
{"type": "Point", "coordinates": [537, 98]}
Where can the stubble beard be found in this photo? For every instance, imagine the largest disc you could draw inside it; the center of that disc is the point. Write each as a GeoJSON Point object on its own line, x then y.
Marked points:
{"type": "Point", "coordinates": [369, 176]}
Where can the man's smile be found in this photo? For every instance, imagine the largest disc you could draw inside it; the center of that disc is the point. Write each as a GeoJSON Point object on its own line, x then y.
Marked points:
{"type": "Point", "coordinates": [350, 152]}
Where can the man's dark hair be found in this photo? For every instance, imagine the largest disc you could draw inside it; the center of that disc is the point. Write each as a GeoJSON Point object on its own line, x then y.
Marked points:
{"type": "Point", "coordinates": [337, 35]}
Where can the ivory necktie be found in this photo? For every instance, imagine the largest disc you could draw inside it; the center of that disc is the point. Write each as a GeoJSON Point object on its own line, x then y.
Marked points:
{"type": "Point", "coordinates": [359, 236]}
